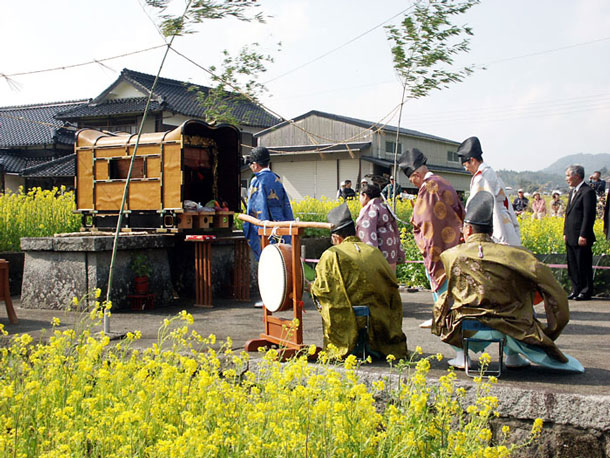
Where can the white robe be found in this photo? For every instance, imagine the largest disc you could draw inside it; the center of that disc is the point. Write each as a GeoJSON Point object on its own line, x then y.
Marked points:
{"type": "Point", "coordinates": [506, 227]}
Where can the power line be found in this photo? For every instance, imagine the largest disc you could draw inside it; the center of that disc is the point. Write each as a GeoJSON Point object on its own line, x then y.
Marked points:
{"type": "Point", "coordinates": [337, 48]}
{"type": "Point", "coordinates": [547, 51]}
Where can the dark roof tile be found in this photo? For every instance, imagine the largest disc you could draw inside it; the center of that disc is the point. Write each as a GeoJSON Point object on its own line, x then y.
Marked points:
{"type": "Point", "coordinates": [109, 107]}
{"type": "Point", "coordinates": [34, 125]}
{"type": "Point", "coordinates": [63, 167]}
{"type": "Point", "coordinates": [169, 94]}
{"type": "Point", "coordinates": [15, 164]}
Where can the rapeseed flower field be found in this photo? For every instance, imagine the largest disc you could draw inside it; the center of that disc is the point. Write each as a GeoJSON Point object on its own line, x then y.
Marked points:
{"type": "Point", "coordinates": [35, 213]}
{"type": "Point", "coordinates": [82, 394]}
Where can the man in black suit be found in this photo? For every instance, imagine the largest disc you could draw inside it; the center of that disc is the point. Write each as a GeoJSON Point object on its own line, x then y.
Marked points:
{"type": "Point", "coordinates": [578, 233]}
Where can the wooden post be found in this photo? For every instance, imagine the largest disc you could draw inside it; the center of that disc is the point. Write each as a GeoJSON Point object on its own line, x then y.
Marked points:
{"type": "Point", "coordinates": [5, 292]}
{"type": "Point", "coordinates": [275, 329]}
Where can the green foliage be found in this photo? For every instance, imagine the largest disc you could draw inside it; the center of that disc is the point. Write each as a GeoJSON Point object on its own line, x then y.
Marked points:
{"type": "Point", "coordinates": [237, 83]}
{"type": "Point", "coordinates": [199, 10]}
{"type": "Point", "coordinates": [140, 266]}
{"type": "Point", "coordinates": [425, 43]}
{"type": "Point", "coordinates": [36, 213]}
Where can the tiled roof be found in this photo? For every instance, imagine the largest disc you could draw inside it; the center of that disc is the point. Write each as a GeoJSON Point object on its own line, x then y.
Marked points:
{"type": "Point", "coordinates": [34, 125]}
{"type": "Point", "coordinates": [15, 164]}
{"type": "Point", "coordinates": [360, 123]}
{"type": "Point", "coordinates": [63, 167]}
{"type": "Point", "coordinates": [110, 107]}
{"type": "Point", "coordinates": [171, 95]}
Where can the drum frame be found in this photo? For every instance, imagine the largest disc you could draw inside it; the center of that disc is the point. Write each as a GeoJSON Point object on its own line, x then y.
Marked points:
{"type": "Point", "coordinates": [280, 331]}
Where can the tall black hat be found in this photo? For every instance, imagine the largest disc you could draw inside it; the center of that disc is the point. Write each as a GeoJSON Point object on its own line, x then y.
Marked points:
{"type": "Point", "coordinates": [471, 147]}
{"type": "Point", "coordinates": [339, 217]}
{"type": "Point", "coordinates": [480, 209]}
{"type": "Point", "coordinates": [411, 160]}
{"type": "Point", "coordinates": [260, 155]}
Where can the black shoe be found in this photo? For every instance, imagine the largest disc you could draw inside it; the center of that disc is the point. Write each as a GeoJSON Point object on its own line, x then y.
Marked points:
{"type": "Point", "coordinates": [583, 297]}
{"type": "Point", "coordinates": [573, 296]}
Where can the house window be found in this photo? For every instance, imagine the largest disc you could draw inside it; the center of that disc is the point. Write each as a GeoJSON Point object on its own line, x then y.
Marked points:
{"type": "Point", "coordinates": [129, 125]}
{"type": "Point", "coordinates": [452, 156]}
{"type": "Point", "coordinates": [391, 146]}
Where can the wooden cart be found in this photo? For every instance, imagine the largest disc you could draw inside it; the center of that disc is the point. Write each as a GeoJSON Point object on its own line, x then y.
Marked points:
{"type": "Point", "coordinates": [194, 162]}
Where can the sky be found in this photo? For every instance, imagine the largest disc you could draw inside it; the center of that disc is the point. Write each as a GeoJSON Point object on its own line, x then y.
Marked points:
{"type": "Point", "coordinates": [544, 92]}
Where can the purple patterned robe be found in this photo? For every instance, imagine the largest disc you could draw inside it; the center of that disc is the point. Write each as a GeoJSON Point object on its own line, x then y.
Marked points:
{"type": "Point", "coordinates": [377, 227]}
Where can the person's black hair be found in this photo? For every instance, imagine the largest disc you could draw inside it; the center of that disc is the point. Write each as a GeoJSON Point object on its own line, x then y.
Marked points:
{"type": "Point", "coordinates": [370, 190]}
{"type": "Point", "coordinates": [346, 231]}
{"type": "Point", "coordinates": [479, 229]}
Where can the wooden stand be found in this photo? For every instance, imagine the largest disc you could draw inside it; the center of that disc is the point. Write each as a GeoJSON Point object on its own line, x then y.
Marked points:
{"type": "Point", "coordinates": [203, 268]}
{"type": "Point", "coordinates": [5, 292]}
{"type": "Point", "coordinates": [279, 331]}
{"type": "Point", "coordinates": [139, 302]}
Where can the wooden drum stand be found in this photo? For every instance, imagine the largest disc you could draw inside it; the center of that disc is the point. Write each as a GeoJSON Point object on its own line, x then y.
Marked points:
{"type": "Point", "coordinates": [281, 332]}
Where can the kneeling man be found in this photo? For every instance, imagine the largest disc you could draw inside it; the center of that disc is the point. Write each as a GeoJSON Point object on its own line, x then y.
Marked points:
{"type": "Point", "coordinates": [497, 284]}
{"type": "Point", "coordinates": [352, 273]}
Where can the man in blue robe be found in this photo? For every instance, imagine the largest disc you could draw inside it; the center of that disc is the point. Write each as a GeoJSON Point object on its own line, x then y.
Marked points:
{"type": "Point", "coordinates": [267, 198]}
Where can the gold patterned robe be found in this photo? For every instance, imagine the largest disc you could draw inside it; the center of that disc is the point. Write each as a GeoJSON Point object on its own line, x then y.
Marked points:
{"type": "Point", "coordinates": [437, 220]}
{"type": "Point", "coordinates": [496, 284]}
{"type": "Point", "coordinates": [354, 273]}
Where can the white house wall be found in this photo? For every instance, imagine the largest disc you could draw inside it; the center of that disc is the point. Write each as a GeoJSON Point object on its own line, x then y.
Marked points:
{"type": "Point", "coordinates": [12, 182]}
{"type": "Point", "coordinates": [317, 178]}
{"type": "Point", "coordinates": [348, 170]}
{"type": "Point", "coordinates": [298, 178]}
{"type": "Point", "coordinates": [125, 90]}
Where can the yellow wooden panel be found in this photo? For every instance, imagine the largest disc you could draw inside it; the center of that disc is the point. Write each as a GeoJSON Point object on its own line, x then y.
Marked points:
{"type": "Point", "coordinates": [108, 196]}
{"type": "Point", "coordinates": [145, 195]}
{"type": "Point", "coordinates": [145, 150]}
{"type": "Point", "coordinates": [101, 170]}
{"type": "Point", "coordinates": [116, 151]}
{"type": "Point", "coordinates": [153, 167]}
{"type": "Point", "coordinates": [172, 177]}
{"type": "Point", "coordinates": [84, 179]}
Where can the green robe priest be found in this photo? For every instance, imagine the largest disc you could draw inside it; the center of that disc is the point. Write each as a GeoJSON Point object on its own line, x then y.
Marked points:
{"type": "Point", "coordinates": [353, 273]}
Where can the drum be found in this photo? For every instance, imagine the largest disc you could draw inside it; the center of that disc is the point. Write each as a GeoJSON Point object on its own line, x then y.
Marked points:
{"type": "Point", "coordinates": [275, 277]}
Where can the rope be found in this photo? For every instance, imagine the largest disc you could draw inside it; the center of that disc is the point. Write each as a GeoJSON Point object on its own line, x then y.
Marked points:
{"type": "Point", "coordinates": [375, 127]}
{"type": "Point", "coordinates": [94, 61]}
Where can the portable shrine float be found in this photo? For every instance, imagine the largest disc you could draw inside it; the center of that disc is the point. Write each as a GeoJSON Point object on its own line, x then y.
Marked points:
{"type": "Point", "coordinates": [172, 173]}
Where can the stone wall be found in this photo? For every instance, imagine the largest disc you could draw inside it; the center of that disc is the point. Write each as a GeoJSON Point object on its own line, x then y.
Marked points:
{"type": "Point", "coordinates": [56, 269]}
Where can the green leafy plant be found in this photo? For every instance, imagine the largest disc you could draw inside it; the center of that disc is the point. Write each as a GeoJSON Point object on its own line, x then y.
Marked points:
{"type": "Point", "coordinates": [140, 266]}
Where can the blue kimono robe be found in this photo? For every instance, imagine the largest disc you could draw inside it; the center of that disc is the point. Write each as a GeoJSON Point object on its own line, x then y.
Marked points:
{"type": "Point", "coordinates": [267, 201]}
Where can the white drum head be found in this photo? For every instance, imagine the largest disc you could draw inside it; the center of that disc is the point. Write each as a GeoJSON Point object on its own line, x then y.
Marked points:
{"type": "Point", "coordinates": [272, 278]}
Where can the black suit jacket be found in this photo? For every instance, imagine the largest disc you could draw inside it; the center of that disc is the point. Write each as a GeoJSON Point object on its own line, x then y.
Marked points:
{"type": "Point", "coordinates": [607, 218]}
{"type": "Point", "coordinates": [580, 216]}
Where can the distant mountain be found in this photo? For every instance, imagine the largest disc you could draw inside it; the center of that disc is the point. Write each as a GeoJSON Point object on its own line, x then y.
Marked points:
{"type": "Point", "coordinates": [532, 181]}
{"type": "Point", "coordinates": [553, 176]}
{"type": "Point", "coordinates": [590, 162]}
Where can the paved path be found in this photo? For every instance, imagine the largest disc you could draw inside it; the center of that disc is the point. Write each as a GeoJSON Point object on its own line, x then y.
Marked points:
{"type": "Point", "coordinates": [586, 337]}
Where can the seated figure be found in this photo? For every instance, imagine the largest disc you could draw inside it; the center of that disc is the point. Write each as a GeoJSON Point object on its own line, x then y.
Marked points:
{"type": "Point", "coordinates": [497, 285]}
{"type": "Point", "coordinates": [352, 273]}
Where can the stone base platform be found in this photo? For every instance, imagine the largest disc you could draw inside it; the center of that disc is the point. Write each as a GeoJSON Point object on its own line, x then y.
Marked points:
{"type": "Point", "coordinates": [57, 269]}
